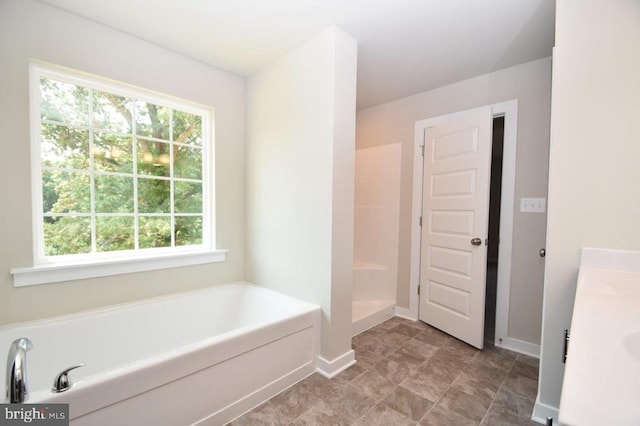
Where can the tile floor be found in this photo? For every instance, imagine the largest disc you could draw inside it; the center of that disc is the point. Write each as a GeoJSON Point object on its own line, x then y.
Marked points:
{"type": "Point", "coordinates": [409, 373]}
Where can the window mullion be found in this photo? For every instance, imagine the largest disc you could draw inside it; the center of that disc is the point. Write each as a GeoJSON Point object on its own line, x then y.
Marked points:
{"type": "Point", "coordinates": [134, 155]}
{"type": "Point", "coordinates": [172, 181]}
{"type": "Point", "coordinates": [92, 180]}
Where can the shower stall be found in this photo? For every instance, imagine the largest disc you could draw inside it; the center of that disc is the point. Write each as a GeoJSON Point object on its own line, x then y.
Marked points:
{"type": "Point", "coordinates": [376, 222]}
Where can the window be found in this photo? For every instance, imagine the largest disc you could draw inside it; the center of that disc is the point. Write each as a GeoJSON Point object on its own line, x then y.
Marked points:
{"type": "Point", "coordinates": [120, 172]}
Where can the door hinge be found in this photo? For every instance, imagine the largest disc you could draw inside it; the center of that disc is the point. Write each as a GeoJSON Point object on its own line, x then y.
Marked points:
{"type": "Point", "coordinates": [422, 146]}
{"type": "Point", "coordinates": [418, 290]}
{"type": "Point", "coordinates": [565, 346]}
{"type": "Point", "coordinates": [420, 221]}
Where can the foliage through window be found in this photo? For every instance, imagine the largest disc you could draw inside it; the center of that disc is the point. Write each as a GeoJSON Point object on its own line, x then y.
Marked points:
{"type": "Point", "coordinates": [120, 170]}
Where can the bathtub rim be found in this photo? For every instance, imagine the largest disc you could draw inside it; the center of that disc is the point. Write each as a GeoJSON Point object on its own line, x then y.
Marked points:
{"type": "Point", "coordinates": [101, 310]}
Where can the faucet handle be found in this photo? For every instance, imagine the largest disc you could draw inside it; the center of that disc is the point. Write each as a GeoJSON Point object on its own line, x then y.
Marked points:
{"type": "Point", "coordinates": [62, 382]}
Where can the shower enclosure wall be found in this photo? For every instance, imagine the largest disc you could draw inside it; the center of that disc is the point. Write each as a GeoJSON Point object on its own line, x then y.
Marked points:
{"type": "Point", "coordinates": [377, 208]}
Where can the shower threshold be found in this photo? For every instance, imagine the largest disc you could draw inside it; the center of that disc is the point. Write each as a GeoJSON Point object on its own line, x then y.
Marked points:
{"type": "Point", "coordinates": [369, 313]}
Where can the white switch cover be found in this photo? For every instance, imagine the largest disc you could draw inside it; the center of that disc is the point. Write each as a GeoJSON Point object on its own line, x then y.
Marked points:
{"type": "Point", "coordinates": [533, 205]}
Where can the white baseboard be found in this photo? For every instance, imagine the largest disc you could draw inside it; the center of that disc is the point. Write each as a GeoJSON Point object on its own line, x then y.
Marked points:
{"type": "Point", "coordinates": [330, 369]}
{"type": "Point", "coordinates": [542, 411]}
{"type": "Point", "coordinates": [520, 346]}
{"type": "Point", "coordinates": [515, 345]}
{"type": "Point", "coordinates": [405, 313]}
{"type": "Point", "coordinates": [246, 404]}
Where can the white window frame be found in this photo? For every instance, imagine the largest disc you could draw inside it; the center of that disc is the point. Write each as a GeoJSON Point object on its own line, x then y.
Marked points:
{"type": "Point", "coordinates": [47, 269]}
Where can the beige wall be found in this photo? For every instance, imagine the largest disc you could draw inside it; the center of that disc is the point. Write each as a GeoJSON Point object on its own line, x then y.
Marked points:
{"type": "Point", "coordinates": [299, 194]}
{"type": "Point", "coordinates": [29, 29]}
{"type": "Point", "coordinates": [594, 199]}
{"type": "Point", "coordinates": [530, 83]}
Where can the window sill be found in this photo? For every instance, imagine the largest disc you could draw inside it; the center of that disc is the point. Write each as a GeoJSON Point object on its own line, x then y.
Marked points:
{"type": "Point", "coordinates": [45, 274]}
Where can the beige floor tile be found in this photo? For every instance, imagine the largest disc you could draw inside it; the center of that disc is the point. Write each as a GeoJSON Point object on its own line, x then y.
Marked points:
{"type": "Point", "coordinates": [497, 416]}
{"type": "Point", "coordinates": [406, 330]}
{"type": "Point", "coordinates": [408, 403]}
{"type": "Point", "coordinates": [294, 401]}
{"type": "Point", "coordinates": [367, 359]}
{"type": "Point", "coordinates": [349, 402]}
{"type": "Point", "coordinates": [448, 360]}
{"type": "Point", "coordinates": [461, 348]}
{"type": "Point", "coordinates": [360, 340]}
{"type": "Point", "coordinates": [485, 372]}
{"type": "Point", "coordinates": [390, 323]}
{"type": "Point", "coordinates": [524, 369]}
{"type": "Point", "coordinates": [439, 416]}
{"type": "Point", "coordinates": [521, 385]}
{"type": "Point", "coordinates": [428, 383]}
{"type": "Point", "coordinates": [518, 404]}
{"type": "Point", "coordinates": [418, 349]}
{"type": "Point", "coordinates": [366, 335]}
{"type": "Point", "coordinates": [395, 339]}
{"type": "Point", "coordinates": [319, 385]}
{"type": "Point", "coordinates": [398, 366]}
{"type": "Point", "coordinates": [373, 385]}
{"type": "Point", "coordinates": [379, 346]}
{"type": "Point", "coordinates": [472, 407]}
{"type": "Point", "coordinates": [382, 415]}
{"type": "Point", "coordinates": [321, 415]}
{"type": "Point", "coordinates": [433, 337]}
{"type": "Point", "coordinates": [478, 383]}
{"type": "Point", "coordinates": [349, 374]}
{"type": "Point", "coordinates": [494, 358]}
{"type": "Point", "coordinates": [418, 324]}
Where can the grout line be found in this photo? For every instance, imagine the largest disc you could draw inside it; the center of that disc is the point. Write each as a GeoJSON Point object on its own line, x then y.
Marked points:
{"type": "Point", "coordinates": [497, 391]}
{"type": "Point", "coordinates": [448, 387]}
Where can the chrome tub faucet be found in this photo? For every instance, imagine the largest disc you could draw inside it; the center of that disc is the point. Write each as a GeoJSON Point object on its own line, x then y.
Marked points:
{"type": "Point", "coordinates": [17, 390]}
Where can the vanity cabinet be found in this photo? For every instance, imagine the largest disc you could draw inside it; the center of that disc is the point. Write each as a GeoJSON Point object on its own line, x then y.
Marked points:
{"type": "Point", "coordinates": [601, 384]}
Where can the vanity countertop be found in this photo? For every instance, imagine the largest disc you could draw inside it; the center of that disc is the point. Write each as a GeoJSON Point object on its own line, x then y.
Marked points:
{"type": "Point", "coordinates": [601, 383]}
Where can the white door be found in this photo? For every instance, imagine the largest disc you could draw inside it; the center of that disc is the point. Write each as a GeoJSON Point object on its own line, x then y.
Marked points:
{"type": "Point", "coordinates": [457, 163]}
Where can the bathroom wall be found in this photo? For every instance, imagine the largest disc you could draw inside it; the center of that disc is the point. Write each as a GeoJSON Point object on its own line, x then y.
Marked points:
{"type": "Point", "coordinates": [594, 199]}
{"type": "Point", "coordinates": [530, 83]}
{"type": "Point", "coordinates": [377, 213]}
{"type": "Point", "coordinates": [299, 192]}
{"type": "Point", "coordinates": [29, 29]}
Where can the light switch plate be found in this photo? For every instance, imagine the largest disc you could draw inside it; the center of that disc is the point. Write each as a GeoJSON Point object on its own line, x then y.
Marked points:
{"type": "Point", "coordinates": [533, 205]}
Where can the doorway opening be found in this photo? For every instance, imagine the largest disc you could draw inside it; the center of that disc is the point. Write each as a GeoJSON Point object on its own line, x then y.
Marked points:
{"type": "Point", "coordinates": [495, 192]}
{"type": "Point", "coordinates": [507, 112]}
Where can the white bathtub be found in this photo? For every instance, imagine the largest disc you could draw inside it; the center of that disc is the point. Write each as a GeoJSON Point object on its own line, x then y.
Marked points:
{"type": "Point", "coordinates": [201, 357]}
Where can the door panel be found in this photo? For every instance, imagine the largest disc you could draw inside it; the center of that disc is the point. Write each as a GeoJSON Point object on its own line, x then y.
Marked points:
{"type": "Point", "coordinates": [457, 160]}
{"type": "Point", "coordinates": [451, 222]}
{"type": "Point", "coordinates": [455, 184]}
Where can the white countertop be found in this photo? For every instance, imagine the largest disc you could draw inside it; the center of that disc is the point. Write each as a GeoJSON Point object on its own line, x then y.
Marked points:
{"type": "Point", "coordinates": [601, 383]}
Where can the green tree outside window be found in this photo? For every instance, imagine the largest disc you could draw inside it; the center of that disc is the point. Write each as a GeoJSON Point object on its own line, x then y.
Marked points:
{"type": "Point", "coordinates": [118, 173]}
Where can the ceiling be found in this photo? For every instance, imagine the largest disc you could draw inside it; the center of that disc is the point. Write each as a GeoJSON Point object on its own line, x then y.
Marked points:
{"type": "Point", "coordinates": [404, 46]}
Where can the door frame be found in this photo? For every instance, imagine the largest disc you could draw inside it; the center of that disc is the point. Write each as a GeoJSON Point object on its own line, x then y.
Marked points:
{"type": "Point", "coordinates": [509, 110]}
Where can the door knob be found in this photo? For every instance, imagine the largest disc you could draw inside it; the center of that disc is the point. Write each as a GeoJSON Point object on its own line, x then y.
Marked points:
{"type": "Point", "coordinates": [476, 241]}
